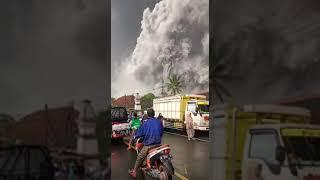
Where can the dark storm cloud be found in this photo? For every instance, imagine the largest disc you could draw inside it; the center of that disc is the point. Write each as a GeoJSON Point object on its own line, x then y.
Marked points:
{"type": "Point", "coordinates": [276, 48]}
{"type": "Point", "coordinates": [57, 54]}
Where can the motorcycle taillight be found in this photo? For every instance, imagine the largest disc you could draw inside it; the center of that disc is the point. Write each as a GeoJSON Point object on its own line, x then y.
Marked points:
{"type": "Point", "coordinates": [139, 145]}
{"type": "Point", "coordinates": [148, 163]}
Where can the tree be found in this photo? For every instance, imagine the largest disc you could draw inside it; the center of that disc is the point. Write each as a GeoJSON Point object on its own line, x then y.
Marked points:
{"type": "Point", "coordinates": [174, 85]}
{"type": "Point", "coordinates": [147, 101]}
{"type": "Point", "coordinates": [219, 69]}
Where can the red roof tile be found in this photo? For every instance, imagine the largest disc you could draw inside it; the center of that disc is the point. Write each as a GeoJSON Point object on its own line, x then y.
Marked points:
{"type": "Point", "coordinates": [57, 127]}
{"type": "Point", "coordinates": [124, 101]}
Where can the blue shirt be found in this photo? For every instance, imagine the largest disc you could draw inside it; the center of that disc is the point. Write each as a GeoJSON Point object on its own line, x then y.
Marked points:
{"type": "Point", "coordinates": [151, 131]}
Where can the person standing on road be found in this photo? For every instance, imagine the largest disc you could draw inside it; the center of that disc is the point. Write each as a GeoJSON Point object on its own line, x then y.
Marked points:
{"type": "Point", "coordinates": [151, 131]}
{"type": "Point", "coordinates": [160, 117]}
{"type": "Point", "coordinates": [135, 124]}
{"type": "Point", "coordinates": [189, 126]}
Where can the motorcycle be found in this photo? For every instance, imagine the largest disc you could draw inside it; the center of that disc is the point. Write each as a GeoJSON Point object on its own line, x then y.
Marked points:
{"type": "Point", "coordinates": [157, 164]}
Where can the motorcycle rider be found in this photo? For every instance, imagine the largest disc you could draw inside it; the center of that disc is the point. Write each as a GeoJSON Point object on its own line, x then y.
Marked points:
{"type": "Point", "coordinates": [144, 118]}
{"type": "Point", "coordinates": [135, 124]}
{"type": "Point", "coordinates": [151, 131]}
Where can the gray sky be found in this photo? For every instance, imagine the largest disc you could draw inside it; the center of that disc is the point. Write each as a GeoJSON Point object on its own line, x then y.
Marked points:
{"type": "Point", "coordinates": [52, 52]}
{"type": "Point", "coordinates": [154, 39]}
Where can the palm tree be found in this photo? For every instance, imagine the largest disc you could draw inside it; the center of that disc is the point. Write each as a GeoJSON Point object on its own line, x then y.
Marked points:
{"type": "Point", "coordinates": [219, 65]}
{"type": "Point", "coordinates": [175, 84]}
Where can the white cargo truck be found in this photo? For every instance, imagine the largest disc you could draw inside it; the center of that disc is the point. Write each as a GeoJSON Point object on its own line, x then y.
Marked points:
{"type": "Point", "coordinates": [174, 109]}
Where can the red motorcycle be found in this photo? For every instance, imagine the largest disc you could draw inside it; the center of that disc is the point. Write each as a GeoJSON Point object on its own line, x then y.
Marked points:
{"type": "Point", "coordinates": [157, 164]}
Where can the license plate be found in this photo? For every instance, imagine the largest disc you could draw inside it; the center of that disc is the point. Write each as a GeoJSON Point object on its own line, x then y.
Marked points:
{"type": "Point", "coordinates": [120, 132]}
{"type": "Point", "coordinates": [166, 157]}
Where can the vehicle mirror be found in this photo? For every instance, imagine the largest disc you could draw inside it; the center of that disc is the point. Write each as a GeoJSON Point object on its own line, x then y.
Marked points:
{"type": "Point", "coordinates": [280, 154]}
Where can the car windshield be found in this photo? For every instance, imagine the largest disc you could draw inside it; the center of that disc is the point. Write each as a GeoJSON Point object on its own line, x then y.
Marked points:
{"type": "Point", "coordinates": [203, 108]}
{"type": "Point", "coordinates": [119, 115]}
{"type": "Point", "coordinates": [303, 146]}
{"type": "Point", "coordinates": [22, 160]}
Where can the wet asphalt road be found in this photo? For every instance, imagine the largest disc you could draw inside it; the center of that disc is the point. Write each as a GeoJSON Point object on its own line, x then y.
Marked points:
{"type": "Point", "coordinates": [190, 158]}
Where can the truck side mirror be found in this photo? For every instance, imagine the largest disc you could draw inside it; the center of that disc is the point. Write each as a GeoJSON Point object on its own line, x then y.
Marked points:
{"type": "Point", "coordinates": [198, 112]}
{"type": "Point", "coordinates": [280, 154]}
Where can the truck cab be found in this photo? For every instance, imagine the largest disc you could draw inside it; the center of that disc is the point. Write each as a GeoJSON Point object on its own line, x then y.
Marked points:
{"type": "Point", "coordinates": [282, 152]}
{"type": "Point", "coordinates": [199, 110]}
{"type": "Point", "coordinates": [255, 142]}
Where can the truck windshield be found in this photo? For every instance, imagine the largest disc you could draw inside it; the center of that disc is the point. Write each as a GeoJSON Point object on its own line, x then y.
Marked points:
{"type": "Point", "coordinates": [203, 108]}
{"type": "Point", "coordinates": [303, 146]}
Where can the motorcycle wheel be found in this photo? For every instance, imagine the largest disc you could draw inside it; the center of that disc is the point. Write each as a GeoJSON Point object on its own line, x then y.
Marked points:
{"type": "Point", "coordinates": [164, 174]}
{"type": "Point", "coordinates": [169, 167]}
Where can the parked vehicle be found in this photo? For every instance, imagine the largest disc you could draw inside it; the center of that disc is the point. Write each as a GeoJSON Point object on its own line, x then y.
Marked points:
{"type": "Point", "coordinates": [120, 123]}
{"type": "Point", "coordinates": [264, 142]}
{"type": "Point", "coordinates": [25, 163]}
{"type": "Point", "coordinates": [157, 164]}
{"type": "Point", "coordinates": [174, 109]}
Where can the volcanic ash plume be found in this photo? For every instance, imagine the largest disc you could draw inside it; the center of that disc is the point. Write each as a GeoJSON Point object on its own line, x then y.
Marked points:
{"type": "Point", "coordinates": [174, 40]}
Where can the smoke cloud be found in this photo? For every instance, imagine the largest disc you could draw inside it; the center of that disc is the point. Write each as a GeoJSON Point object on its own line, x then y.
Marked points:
{"type": "Point", "coordinates": [174, 39]}
{"type": "Point", "coordinates": [276, 46]}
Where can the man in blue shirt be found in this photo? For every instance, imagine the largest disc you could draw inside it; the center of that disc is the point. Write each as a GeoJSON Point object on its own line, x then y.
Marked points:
{"type": "Point", "coordinates": [151, 131]}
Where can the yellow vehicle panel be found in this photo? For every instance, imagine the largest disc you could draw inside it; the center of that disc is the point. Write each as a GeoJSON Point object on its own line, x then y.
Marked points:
{"type": "Point", "coordinates": [299, 132]}
{"type": "Point", "coordinates": [244, 121]}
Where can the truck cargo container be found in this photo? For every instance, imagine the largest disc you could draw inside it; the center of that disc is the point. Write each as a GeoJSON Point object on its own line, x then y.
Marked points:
{"type": "Point", "coordinates": [174, 109]}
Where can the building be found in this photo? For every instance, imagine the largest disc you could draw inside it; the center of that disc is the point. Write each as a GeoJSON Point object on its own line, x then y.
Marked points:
{"type": "Point", "coordinates": [53, 127]}
{"type": "Point", "coordinates": [137, 105]}
{"type": "Point", "coordinates": [125, 101]}
{"type": "Point", "coordinates": [87, 143]}
{"type": "Point", "coordinates": [310, 102]}
{"type": "Point", "coordinates": [204, 94]}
